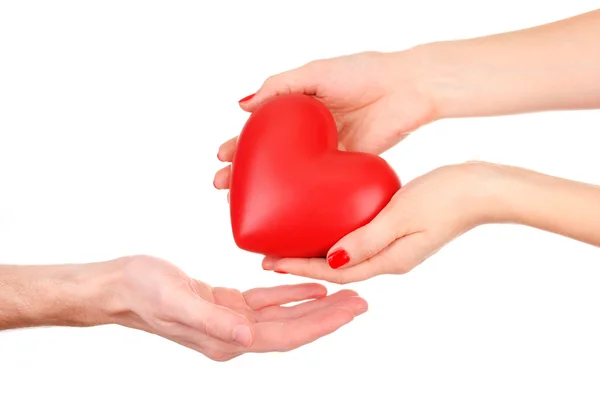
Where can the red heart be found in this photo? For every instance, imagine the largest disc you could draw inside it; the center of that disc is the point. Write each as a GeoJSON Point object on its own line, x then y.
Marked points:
{"type": "Point", "coordinates": [292, 192]}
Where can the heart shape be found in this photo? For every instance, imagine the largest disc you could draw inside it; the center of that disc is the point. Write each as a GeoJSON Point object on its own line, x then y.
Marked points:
{"type": "Point", "coordinates": [292, 192]}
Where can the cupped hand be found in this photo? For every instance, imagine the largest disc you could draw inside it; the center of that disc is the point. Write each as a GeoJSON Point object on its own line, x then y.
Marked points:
{"type": "Point", "coordinates": [222, 323]}
{"type": "Point", "coordinates": [376, 99]}
{"type": "Point", "coordinates": [422, 217]}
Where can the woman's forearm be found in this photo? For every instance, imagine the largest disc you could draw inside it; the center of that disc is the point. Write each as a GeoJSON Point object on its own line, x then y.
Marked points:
{"type": "Point", "coordinates": [557, 205]}
{"type": "Point", "coordinates": [58, 295]}
{"type": "Point", "coordinates": [550, 67]}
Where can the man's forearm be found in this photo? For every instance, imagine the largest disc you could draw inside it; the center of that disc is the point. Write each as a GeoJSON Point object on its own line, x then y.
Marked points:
{"type": "Point", "coordinates": [550, 67]}
{"type": "Point", "coordinates": [57, 295]}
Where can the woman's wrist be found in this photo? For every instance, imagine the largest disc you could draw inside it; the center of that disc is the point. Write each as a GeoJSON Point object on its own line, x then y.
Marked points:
{"type": "Point", "coordinates": [525, 197]}
{"type": "Point", "coordinates": [548, 67]}
{"type": "Point", "coordinates": [465, 79]}
{"type": "Point", "coordinates": [507, 194]}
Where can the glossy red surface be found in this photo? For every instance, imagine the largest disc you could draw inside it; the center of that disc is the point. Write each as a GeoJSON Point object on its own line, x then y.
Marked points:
{"type": "Point", "coordinates": [292, 192]}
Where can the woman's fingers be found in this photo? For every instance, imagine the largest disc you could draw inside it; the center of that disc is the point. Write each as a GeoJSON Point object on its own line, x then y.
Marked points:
{"type": "Point", "coordinates": [365, 242]}
{"type": "Point", "coordinates": [317, 268]}
{"type": "Point", "coordinates": [400, 257]}
{"type": "Point", "coordinates": [277, 313]}
{"type": "Point", "coordinates": [227, 150]}
{"type": "Point", "coordinates": [274, 296]}
{"type": "Point", "coordinates": [221, 180]}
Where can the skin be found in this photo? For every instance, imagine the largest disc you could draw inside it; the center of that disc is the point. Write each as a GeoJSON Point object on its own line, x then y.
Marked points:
{"type": "Point", "coordinates": [416, 223]}
{"type": "Point", "coordinates": [377, 99]}
{"type": "Point", "coordinates": [152, 295]}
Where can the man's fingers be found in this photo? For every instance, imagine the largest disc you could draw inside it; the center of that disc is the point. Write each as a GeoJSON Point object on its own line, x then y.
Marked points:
{"type": "Point", "coordinates": [227, 150]}
{"type": "Point", "coordinates": [305, 79]}
{"type": "Point", "coordinates": [218, 322]}
{"type": "Point", "coordinates": [275, 313]}
{"type": "Point", "coordinates": [221, 180]}
{"type": "Point", "coordinates": [210, 347]}
{"type": "Point", "coordinates": [264, 297]}
{"type": "Point", "coordinates": [289, 335]}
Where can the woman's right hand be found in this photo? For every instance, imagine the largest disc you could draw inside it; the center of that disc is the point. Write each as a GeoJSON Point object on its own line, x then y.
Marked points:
{"type": "Point", "coordinates": [377, 99]}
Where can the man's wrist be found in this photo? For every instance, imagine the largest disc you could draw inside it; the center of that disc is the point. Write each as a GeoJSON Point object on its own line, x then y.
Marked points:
{"type": "Point", "coordinates": [98, 292]}
{"type": "Point", "coordinates": [60, 295]}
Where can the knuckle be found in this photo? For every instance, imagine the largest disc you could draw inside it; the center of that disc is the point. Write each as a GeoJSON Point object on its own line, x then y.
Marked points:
{"type": "Point", "coordinates": [235, 293]}
{"type": "Point", "coordinates": [271, 81]}
{"type": "Point", "coordinates": [209, 326]}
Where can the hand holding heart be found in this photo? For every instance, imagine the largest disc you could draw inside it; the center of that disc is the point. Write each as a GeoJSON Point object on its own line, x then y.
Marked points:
{"type": "Point", "coordinates": [292, 192]}
{"type": "Point", "coordinates": [375, 101]}
{"type": "Point", "coordinates": [423, 216]}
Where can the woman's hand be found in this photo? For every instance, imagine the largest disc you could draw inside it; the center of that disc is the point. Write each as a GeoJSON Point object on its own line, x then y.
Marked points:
{"type": "Point", "coordinates": [423, 216]}
{"type": "Point", "coordinates": [222, 323]}
{"type": "Point", "coordinates": [436, 208]}
{"type": "Point", "coordinates": [377, 99]}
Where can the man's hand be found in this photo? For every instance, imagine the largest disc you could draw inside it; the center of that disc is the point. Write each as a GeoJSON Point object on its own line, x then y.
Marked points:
{"type": "Point", "coordinates": [152, 295]}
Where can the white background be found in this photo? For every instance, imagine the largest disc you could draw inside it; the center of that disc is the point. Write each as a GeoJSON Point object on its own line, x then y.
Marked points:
{"type": "Point", "coordinates": [111, 114]}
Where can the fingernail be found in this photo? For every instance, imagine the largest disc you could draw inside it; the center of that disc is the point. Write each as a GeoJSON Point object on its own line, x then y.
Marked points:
{"type": "Point", "coordinates": [338, 258]}
{"type": "Point", "coordinates": [280, 272]}
{"type": "Point", "coordinates": [242, 335]}
{"type": "Point", "coordinates": [246, 98]}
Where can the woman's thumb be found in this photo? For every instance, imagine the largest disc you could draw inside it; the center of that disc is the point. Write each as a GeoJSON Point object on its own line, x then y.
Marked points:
{"type": "Point", "coordinates": [365, 242]}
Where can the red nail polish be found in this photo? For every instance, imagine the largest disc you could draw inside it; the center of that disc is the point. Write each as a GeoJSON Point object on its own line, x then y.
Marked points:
{"type": "Point", "coordinates": [280, 272]}
{"type": "Point", "coordinates": [246, 98]}
{"type": "Point", "coordinates": [338, 258]}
